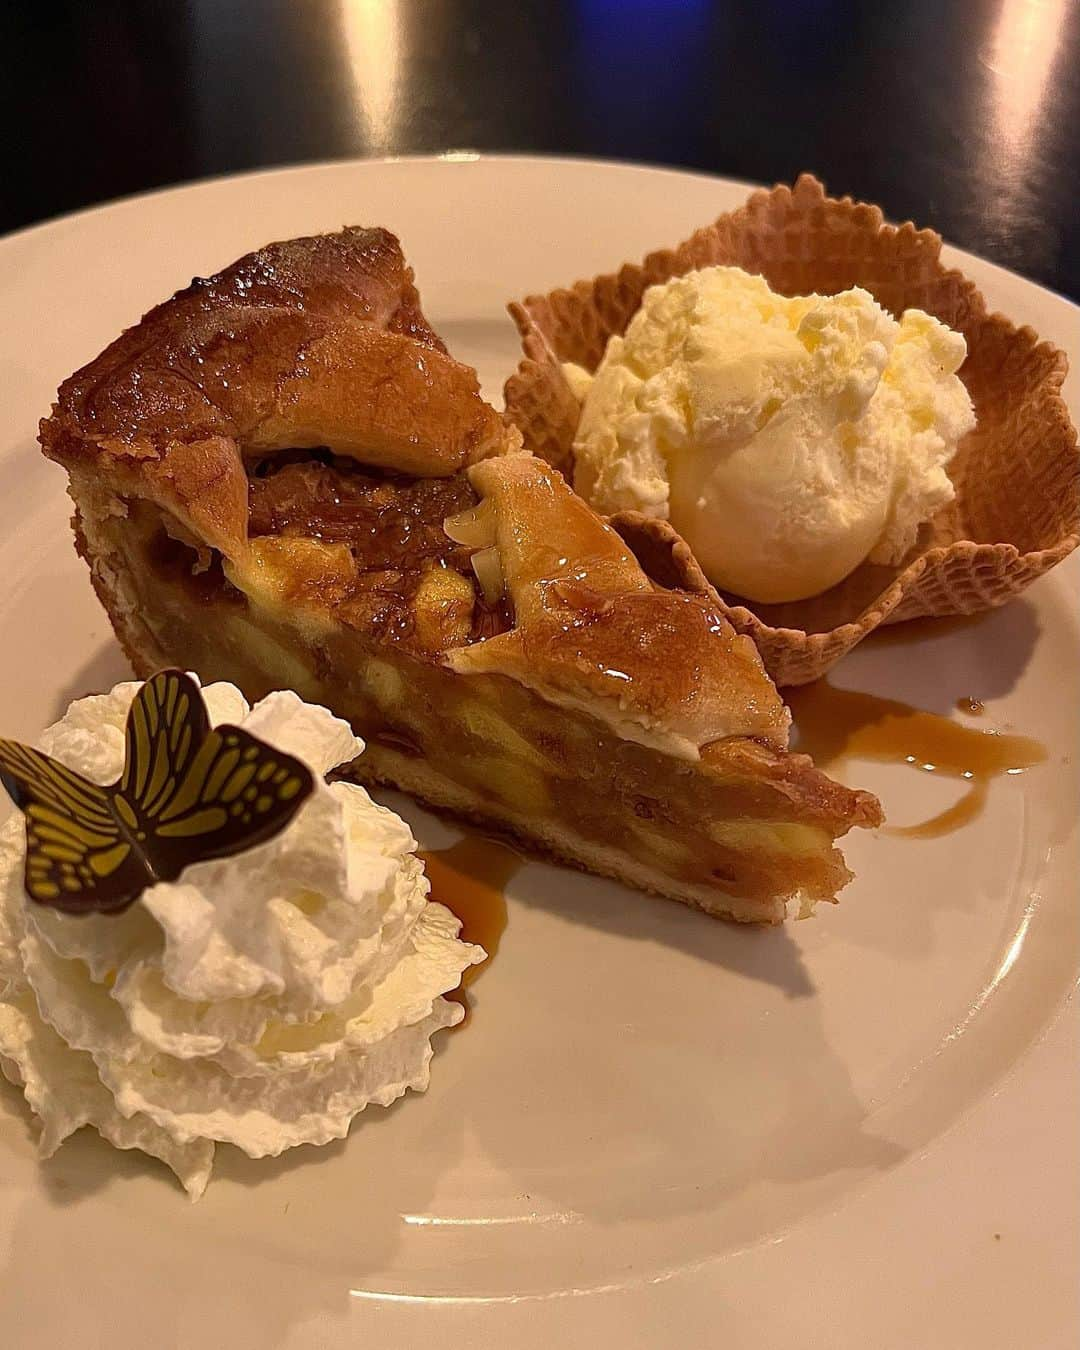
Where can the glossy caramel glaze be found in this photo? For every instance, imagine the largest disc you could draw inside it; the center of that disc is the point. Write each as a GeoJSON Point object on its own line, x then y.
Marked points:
{"type": "Point", "coordinates": [590, 625]}
{"type": "Point", "coordinates": [470, 878]}
{"type": "Point", "coordinates": [833, 724]}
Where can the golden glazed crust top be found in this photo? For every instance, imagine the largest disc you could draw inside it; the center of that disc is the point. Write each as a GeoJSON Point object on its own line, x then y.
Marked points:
{"type": "Point", "coordinates": [591, 629]}
{"type": "Point", "coordinates": [321, 342]}
{"type": "Point", "coordinates": [310, 342]}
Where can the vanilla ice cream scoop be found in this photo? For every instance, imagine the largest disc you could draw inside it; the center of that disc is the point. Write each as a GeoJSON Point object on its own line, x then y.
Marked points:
{"type": "Point", "coordinates": [787, 439]}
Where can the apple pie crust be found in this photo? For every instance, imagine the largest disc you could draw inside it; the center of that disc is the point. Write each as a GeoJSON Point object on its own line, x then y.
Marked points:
{"type": "Point", "coordinates": [282, 479]}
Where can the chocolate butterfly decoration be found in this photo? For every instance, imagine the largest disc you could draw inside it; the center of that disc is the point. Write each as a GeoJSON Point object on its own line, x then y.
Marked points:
{"type": "Point", "coordinates": [188, 793]}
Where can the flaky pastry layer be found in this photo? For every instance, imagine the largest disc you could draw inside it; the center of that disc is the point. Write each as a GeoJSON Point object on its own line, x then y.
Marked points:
{"type": "Point", "coordinates": [611, 715]}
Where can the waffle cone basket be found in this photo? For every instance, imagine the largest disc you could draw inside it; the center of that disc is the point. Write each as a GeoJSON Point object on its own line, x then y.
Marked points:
{"type": "Point", "coordinates": [1017, 475]}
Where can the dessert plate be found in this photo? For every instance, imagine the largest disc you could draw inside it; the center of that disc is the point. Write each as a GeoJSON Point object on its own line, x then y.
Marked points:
{"type": "Point", "coordinates": [858, 1130]}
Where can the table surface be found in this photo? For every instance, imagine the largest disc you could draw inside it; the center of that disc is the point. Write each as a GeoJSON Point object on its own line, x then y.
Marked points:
{"type": "Point", "coordinates": [962, 115]}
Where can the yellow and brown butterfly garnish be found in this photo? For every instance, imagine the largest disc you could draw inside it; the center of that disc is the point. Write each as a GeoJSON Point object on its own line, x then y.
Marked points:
{"type": "Point", "coordinates": [188, 793]}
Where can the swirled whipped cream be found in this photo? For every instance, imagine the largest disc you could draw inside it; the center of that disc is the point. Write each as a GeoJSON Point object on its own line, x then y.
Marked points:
{"type": "Point", "coordinates": [261, 1000]}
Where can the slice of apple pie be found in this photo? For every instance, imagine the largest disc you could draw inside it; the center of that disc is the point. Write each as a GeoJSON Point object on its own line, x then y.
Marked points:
{"type": "Point", "coordinates": [281, 478]}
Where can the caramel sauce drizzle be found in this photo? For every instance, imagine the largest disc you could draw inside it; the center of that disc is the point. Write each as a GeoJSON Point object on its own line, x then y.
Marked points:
{"type": "Point", "coordinates": [833, 724]}
{"type": "Point", "coordinates": [470, 879]}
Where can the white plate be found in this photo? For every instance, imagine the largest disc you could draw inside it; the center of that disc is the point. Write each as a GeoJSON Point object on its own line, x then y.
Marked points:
{"type": "Point", "coordinates": [855, 1132]}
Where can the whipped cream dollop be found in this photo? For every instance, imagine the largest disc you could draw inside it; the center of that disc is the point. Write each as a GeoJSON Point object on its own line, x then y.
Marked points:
{"type": "Point", "coordinates": [787, 438]}
{"type": "Point", "coordinates": [261, 1000]}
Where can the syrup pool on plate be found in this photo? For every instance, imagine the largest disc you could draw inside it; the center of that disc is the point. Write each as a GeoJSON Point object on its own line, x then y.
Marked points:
{"type": "Point", "coordinates": [833, 724]}
{"type": "Point", "coordinates": [470, 879]}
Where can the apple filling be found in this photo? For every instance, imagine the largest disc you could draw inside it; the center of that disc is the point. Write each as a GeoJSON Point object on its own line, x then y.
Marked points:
{"type": "Point", "coordinates": [484, 744]}
{"type": "Point", "coordinates": [401, 573]}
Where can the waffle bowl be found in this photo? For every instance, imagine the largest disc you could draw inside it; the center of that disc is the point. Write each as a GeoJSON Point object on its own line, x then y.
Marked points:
{"type": "Point", "coordinates": [1016, 512]}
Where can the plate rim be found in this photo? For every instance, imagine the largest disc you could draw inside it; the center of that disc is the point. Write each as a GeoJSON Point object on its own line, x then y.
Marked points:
{"type": "Point", "coordinates": [462, 158]}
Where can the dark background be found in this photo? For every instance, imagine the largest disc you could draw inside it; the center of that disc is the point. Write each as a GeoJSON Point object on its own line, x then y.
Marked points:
{"type": "Point", "coordinates": [961, 114]}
